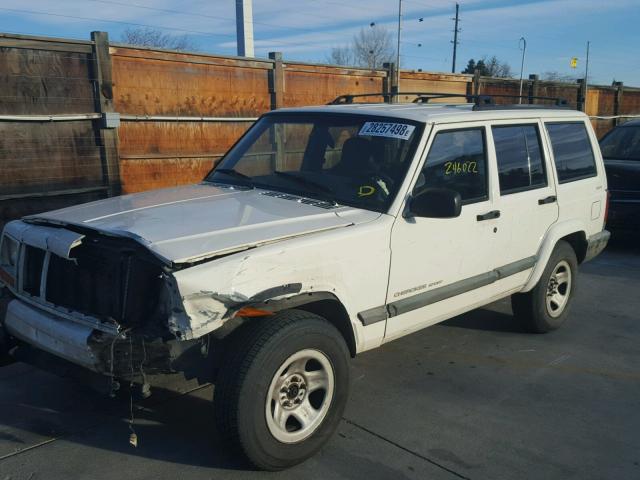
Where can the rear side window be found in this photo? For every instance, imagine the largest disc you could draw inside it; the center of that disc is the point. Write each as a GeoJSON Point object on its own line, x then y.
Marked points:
{"type": "Point", "coordinates": [520, 162]}
{"type": "Point", "coordinates": [457, 161]}
{"type": "Point", "coordinates": [572, 151]}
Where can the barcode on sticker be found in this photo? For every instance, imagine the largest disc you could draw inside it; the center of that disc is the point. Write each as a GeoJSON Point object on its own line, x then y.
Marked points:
{"type": "Point", "coordinates": [384, 129]}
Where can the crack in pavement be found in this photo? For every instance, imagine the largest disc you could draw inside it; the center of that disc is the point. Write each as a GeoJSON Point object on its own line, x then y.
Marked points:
{"type": "Point", "coordinates": [405, 449]}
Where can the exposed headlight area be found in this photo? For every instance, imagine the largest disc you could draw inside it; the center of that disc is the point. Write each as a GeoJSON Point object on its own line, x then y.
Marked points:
{"type": "Point", "coordinates": [8, 260]}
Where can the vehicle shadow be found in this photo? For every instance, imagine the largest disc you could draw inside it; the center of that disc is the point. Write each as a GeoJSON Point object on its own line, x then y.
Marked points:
{"type": "Point", "coordinates": [179, 430]}
{"type": "Point", "coordinates": [170, 426]}
{"type": "Point", "coordinates": [624, 242]}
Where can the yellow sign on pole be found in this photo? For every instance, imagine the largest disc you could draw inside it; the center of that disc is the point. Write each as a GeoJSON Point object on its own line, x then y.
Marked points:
{"type": "Point", "coordinates": [574, 62]}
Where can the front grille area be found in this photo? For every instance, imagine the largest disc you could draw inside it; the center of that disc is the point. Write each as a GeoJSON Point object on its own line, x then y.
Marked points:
{"type": "Point", "coordinates": [33, 264]}
{"type": "Point", "coordinates": [104, 279]}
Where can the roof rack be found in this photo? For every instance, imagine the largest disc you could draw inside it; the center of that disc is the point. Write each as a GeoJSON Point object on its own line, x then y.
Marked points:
{"type": "Point", "coordinates": [480, 102]}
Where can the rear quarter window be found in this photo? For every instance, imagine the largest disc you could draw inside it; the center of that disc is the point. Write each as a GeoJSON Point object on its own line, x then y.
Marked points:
{"type": "Point", "coordinates": [572, 151]}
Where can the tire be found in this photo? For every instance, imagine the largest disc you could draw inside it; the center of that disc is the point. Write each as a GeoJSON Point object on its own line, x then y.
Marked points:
{"type": "Point", "coordinates": [283, 388]}
{"type": "Point", "coordinates": [540, 309]}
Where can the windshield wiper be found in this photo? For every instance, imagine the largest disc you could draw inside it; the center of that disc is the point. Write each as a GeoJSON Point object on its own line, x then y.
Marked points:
{"type": "Point", "coordinates": [246, 180]}
{"type": "Point", "coordinates": [326, 192]}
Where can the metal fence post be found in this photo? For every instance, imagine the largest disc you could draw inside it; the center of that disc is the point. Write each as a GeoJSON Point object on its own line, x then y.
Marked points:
{"type": "Point", "coordinates": [533, 88]}
{"type": "Point", "coordinates": [617, 102]}
{"type": "Point", "coordinates": [581, 95]}
{"type": "Point", "coordinates": [106, 127]}
{"type": "Point", "coordinates": [276, 81]}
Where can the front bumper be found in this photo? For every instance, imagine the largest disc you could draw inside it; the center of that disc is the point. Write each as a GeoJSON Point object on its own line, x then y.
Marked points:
{"type": "Point", "coordinates": [60, 337]}
{"type": "Point", "coordinates": [119, 356]}
{"type": "Point", "coordinates": [596, 244]}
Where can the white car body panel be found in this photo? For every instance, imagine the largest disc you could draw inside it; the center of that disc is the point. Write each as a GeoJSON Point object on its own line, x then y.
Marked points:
{"type": "Point", "coordinates": [334, 262]}
{"type": "Point", "coordinates": [190, 223]}
{"type": "Point", "coordinates": [457, 248]}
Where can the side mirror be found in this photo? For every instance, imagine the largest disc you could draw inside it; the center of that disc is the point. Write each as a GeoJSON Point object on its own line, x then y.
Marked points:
{"type": "Point", "coordinates": [435, 203]}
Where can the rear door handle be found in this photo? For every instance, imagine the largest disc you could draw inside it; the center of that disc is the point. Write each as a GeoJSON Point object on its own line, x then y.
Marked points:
{"type": "Point", "coordinates": [489, 215]}
{"type": "Point", "coordinates": [544, 201]}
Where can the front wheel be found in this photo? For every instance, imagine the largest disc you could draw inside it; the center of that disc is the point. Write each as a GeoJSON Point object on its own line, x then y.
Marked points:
{"type": "Point", "coordinates": [546, 306]}
{"type": "Point", "coordinates": [283, 389]}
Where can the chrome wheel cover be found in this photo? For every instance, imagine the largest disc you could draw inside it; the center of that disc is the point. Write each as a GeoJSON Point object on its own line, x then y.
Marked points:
{"type": "Point", "coordinates": [299, 396]}
{"type": "Point", "coordinates": [558, 289]}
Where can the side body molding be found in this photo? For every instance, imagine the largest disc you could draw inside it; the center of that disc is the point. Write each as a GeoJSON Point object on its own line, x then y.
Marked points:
{"type": "Point", "coordinates": [414, 302]}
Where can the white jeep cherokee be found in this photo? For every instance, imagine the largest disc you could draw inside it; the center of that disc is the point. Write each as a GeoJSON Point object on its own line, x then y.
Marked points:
{"type": "Point", "coordinates": [324, 232]}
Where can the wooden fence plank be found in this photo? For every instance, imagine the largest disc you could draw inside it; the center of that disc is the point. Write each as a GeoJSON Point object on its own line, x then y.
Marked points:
{"type": "Point", "coordinates": [104, 104]}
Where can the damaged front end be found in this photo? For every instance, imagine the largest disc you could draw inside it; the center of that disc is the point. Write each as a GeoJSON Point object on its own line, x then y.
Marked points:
{"type": "Point", "coordinates": [101, 301]}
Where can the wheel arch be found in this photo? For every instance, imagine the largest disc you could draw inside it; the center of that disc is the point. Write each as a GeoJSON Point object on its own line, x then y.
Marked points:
{"type": "Point", "coordinates": [324, 304]}
{"type": "Point", "coordinates": [572, 232]}
{"type": "Point", "coordinates": [578, 241]}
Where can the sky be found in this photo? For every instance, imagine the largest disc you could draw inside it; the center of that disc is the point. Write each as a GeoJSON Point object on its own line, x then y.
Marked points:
{"type": "Point", "coordinates": [555, 30]}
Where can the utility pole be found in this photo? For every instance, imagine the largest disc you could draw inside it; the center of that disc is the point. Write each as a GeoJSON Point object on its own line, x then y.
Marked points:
{"type": "Point", "coordinates": [523, 47]}
{"type": "Point", "coordinates": [398, 51]}
{"type": "Point", "coordinates": [586, 79]}
{"type": "Point", "coordinates": [456, 30]}
{"type": "Point", "coordinates": [244, 28]}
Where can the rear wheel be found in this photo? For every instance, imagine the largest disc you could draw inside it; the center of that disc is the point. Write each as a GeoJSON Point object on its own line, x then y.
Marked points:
{"type": "Point", "coordinates": [283, 389]}
{"type": "Point", "coordinates": [546, 306]}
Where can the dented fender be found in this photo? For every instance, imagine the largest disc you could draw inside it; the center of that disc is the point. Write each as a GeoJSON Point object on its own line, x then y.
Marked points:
{"type": "Point", "coordinates": [199, 313]}
{"type": "Point", "coordinates": [259, 278]}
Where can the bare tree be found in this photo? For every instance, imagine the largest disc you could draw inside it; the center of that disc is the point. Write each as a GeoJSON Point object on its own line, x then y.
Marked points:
{"type": "Point", "coordinates": [341, 56]}
{"type": "Point", "coordinates": [554, 76]}
{"type": "Point", "coordinates": [149, 37]}
{"type": "Point", "coordinates": [373, 46]}
{"type": "Point", "coordinates": [497, 68]}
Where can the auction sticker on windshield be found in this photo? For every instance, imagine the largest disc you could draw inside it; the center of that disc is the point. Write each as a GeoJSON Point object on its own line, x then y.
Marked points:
{"type": "Point", "coordinates": [384, 129]}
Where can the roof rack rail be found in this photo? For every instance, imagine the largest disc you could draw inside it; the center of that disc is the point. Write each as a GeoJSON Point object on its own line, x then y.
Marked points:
{"type": "Point", "coordinates": [488, 103]}
{"type": "Point", "coordinates": [348, 98]}
{"type": "Point", "coordinates": [480, 102]}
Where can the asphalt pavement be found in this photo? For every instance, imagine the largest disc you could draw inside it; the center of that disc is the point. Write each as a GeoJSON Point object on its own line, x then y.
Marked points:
{"type": "Point", "coordinates": [473, 398]}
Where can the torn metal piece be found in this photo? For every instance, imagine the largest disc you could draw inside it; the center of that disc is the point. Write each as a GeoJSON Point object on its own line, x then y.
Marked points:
{"type": "Point", "coordinates": [55, 240]}
{"type": "Point", "coordinates": [269, 293]}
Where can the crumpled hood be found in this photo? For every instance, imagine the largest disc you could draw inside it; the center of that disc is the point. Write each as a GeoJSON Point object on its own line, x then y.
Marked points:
{"type": "Point", "coordinates": [199, 221]}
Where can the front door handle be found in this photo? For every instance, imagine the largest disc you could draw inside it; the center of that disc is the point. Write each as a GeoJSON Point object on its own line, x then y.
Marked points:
{"type": "Point", "coordinates": [549, 199]}
{"type": "Point", "coordinates": [489, 215]}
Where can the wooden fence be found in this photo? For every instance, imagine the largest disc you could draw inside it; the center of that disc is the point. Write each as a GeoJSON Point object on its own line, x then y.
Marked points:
{"type": "Point", "coordinates": [60, 143]}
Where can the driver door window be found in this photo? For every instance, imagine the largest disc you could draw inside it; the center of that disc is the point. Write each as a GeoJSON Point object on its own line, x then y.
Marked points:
{"type": "Point", "coordinates": [458, 161]}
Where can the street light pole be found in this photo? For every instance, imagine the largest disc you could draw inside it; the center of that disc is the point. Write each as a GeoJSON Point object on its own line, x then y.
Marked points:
{"type": "Point", "coordinates": [523, 46]}
{"type": "Point", "coordinates": [398, 51]}
{"type": "Point", "coordinates": [586, 79]}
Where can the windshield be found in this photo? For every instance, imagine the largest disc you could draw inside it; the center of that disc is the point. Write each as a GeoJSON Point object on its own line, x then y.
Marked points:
{"type": "Point", "coordinates": [355, 160]}
{"type": "Point", "coordinates": [622, 143]}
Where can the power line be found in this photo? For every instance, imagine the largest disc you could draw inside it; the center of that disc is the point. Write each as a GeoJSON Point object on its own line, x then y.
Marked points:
{"type": "Point", "coordinates": [189, 14]}
{"type": "Point", "coordinates": [121, 22]}
{"type": "Point", "coordinates": [159, 27]}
